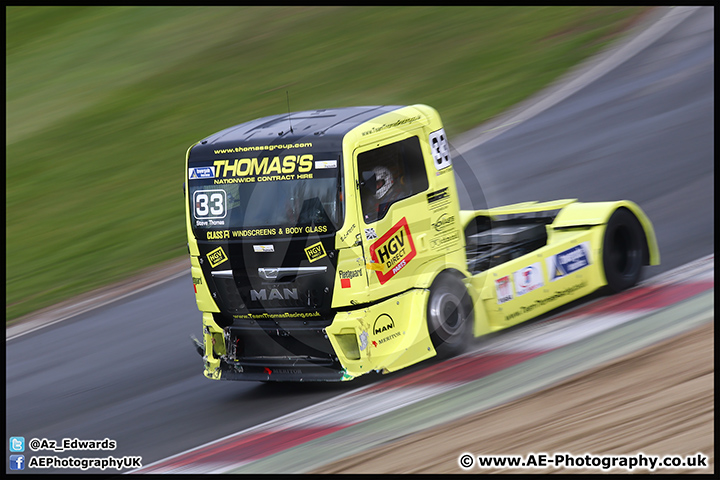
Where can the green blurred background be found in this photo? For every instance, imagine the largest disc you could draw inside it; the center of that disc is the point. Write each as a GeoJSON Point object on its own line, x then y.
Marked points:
{"type": "Point", "coordinates": [103, 102]}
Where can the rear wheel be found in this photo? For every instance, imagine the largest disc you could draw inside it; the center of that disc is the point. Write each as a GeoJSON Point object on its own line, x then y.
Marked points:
{"type": "Point", "coordinates": [623, 250]}
{"type": "Point", "coordinates": [449, 315]}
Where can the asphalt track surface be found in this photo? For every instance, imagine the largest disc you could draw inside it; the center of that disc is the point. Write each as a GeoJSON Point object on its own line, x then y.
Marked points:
{"type": "Point", "coordinates": [127, 371]}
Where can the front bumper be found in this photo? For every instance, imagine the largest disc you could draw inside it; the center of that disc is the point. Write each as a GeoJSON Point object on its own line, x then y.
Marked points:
{"type": "Point", "coordinates": [386, 336]}
{"type": "Point", "coordinates": [288, 369]}
{"type": "Point", "coordinates": [269, 350]}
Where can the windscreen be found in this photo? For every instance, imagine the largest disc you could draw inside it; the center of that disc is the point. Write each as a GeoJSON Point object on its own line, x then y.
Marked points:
{"type": "Point", "coordinates": [266, 195]}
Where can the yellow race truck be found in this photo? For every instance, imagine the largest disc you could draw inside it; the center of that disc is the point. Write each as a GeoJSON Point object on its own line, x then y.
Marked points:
{"type": "Point", "coordinates": [330, 243]}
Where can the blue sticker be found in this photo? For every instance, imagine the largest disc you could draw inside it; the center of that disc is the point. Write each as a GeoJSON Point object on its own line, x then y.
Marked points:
{"type": "Point", "coordinates": [196, 173]}
{"type": "Point", "coordinates": [568, 261]}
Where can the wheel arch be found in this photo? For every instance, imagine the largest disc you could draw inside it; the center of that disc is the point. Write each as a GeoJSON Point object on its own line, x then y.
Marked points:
{"type": "Point", "coordinates": [450, 333]}
{"type": "Point", "coordinates": [599, 213]}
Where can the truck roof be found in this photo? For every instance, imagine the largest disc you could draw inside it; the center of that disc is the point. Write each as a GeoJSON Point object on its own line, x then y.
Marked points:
{"type": "Point", "coordinates": [327, 126]}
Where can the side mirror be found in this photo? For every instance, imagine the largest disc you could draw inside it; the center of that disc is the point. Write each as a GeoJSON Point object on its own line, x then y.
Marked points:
{"type": "Point", "coordinates": [369, 182]}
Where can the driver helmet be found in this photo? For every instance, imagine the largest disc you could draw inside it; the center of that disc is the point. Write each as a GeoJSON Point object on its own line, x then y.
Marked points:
{"type": "Point", "coordinates": [384, 181]}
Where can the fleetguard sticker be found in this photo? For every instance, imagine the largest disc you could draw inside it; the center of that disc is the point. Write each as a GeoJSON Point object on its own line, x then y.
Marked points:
{"type": "Point", "coordinates": [216, 257]}
{"type": "Point", "coordinates": [528, 279]}
{"type": "Point", "coordinates": [393, 251]}
{"type": "Point", "coordinates": [347, 275]}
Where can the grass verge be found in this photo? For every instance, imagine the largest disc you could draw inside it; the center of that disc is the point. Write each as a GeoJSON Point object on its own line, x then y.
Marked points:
{"type": "Point", "coordinates": [102, 103]}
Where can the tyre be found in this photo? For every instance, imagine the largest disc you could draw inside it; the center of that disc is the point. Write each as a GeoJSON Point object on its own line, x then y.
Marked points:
{"type": "Point", "coordinates": [624, 248]}
{"type": "Point", "coordinates": [449, 315]}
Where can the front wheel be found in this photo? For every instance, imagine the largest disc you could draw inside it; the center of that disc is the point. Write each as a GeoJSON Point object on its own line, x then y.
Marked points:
{"type": "Point", "coordinates": [449, 315]}
{"type": "Point", "coordinates": [623, 250]}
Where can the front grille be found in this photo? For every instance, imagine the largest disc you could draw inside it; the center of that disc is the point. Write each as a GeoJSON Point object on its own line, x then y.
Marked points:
{"type": "Point", "coordinates": [257, 342]}
{"type": "Point", "coordinates": [238, 298]}
{"type": "Point", "coordinates": [230, 295]}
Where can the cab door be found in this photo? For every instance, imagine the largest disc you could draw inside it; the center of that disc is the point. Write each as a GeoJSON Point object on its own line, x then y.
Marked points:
{"type": "Point", "coordinates": [392, 184]}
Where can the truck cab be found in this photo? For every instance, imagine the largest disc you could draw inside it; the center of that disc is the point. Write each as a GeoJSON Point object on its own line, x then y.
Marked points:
{"type": "Point", "coordinates": [330, 243]}
{"type": "Point", "coordinates": [295, 221]}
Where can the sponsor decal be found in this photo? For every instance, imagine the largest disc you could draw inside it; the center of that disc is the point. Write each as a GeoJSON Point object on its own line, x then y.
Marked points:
{"type": "Point", "coordinates": [444, 240]}
{"type": "Point", "coordinates": [309, 229]}
{"type": "Point", "coordinates": [274, 294]}
{"type": "Point", "coordinates": [387, 339]}
{"type": "Point", "coordinates": [315, 252]}
{"type": "Point", "coordinates": [503, 288]}
{"type": "Point", "coordinates": [258, 232]}
{"type": "Point", "coordinates": [370, 234]}
{"type": "Point", "coordinates": [444, 222]}
{"type": "Point", "coordinates": [398, 123]}
{"type": "Point", "coordinates": [568, 261]}
{"type": "Point", "coordinates": [270, 168]}
{"type": "Point", "coordinates": [383, 323]}
{"type": "Point", "coordinates": [320, 164]}
{"type": "Point", "coordinates": [216, 257]}
{"type": "Point", "coordinates": [196, 281]}
{"type": "Point", "coordinates": [542, 301]}
{"type": "Point", "coordinates": [438, 199]}
{"type": "Point", "coordinates": [259, 148]}
{"type": "Point", "coordinates": [528, 279]}
{"type": "Point", "coordinates": [283, 315]}
{"type": "Point", "coordinates": [289, 165]}
{"type": "Point", "coordinates": [263, 248]}
{"type": "Point", "coordinates": [350, 274]}
{"type": "Point", "coordinates": [385, 326]}
{"type": "Point", "coordinates": [393, 251]}
{"type": "Point", "coordinates": [447, 235]}
{"type": "Point", "coordinates": [440, 149]}
{"type": "Point", "coordinates": [195, 173]}
{"type": "Point", "coordinates": [218, 234]}
{"type": "Point", "coordinates": [347, 275]}
{"type": "Point", "coordinates": [438, 195]}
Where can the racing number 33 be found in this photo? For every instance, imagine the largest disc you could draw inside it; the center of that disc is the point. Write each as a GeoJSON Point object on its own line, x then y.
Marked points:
{"type": "Point", "coordinates": [210, 204]}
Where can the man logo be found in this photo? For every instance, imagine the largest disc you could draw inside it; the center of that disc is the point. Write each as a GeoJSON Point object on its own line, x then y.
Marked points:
{"type": "Point", "coordinates": [275, 294]}
{"type": "Point", "coordinates": [384, 323]}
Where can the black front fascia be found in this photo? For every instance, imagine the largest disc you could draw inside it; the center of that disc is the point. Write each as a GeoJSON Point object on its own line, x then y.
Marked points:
{"type": "Point", "coordinates": [281, 278]}
{"type": "Point", "coordinates": [275, 306]}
